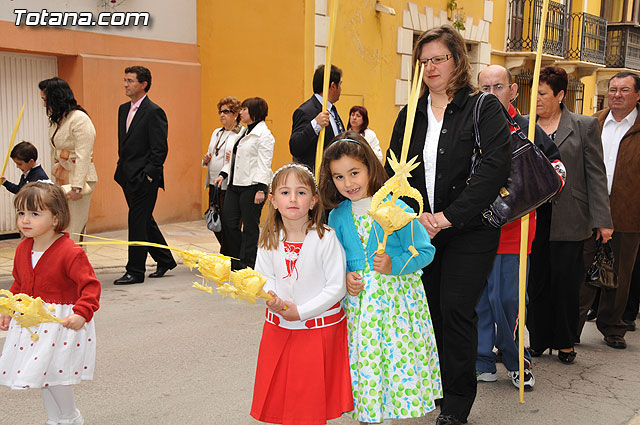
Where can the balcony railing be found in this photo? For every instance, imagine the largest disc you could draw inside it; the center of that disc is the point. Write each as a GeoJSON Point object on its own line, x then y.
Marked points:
{"type": "Point", "coordinates": [524, 26]}
{"type": "Point", "coordinates": [623, 47]}
{"type": "Point", "coordinates": [587, 39]}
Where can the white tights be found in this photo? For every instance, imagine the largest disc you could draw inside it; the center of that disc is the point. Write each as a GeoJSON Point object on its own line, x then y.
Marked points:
{"type": "Point", "coordinates": [59, 402]}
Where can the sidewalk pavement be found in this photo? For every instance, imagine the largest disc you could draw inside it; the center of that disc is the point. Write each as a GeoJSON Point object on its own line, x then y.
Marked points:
{"type": "Point", "coordinates": [187, 235]}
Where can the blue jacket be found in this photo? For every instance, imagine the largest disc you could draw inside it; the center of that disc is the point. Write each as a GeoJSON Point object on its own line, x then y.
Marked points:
{"type": "Point", "coordinates": [341, 219]}
{"type": "Point", "coordinates": [36, 173]}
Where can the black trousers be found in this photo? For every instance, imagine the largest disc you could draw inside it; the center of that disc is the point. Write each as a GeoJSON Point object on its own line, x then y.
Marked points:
{"type": "Point", "coordinates": [555, 275]}
{"type": "Point", "coordinates": [141, 199]}
{"type": "Point", "coordinates": [454, 282]}
{"type": "Point", "coordinates": [241, 225]}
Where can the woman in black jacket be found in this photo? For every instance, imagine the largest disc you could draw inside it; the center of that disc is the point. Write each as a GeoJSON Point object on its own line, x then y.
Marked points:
{"type": "Point", "coordinates": [443, 140]}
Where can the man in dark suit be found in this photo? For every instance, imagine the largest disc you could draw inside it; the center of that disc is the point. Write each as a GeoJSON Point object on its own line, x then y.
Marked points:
{"type": "Point", "coordinates": [142, 150]}
{"type": "Point", "coordinates": [309, 118]}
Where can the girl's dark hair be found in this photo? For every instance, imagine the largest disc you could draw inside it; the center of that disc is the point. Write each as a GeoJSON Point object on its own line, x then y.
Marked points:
{"type": "Point", "coordinates": [40, 196]}
{"type": "Point", "coordinates": [451, 38]}
{"type": "Point", "coordinates": [555, 77]}
{"type": "Point", "coordinates": [59, 99]}
{"type": "Point", "coordinates": [365, 117]}
{"type": "Point", "coordinates": [355, 146]}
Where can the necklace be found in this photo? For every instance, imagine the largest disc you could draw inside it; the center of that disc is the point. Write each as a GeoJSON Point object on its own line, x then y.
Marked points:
{"type": "Point", "coordinates": [438, 107]}
{"type": "Point", "coordinates": [220, 143]}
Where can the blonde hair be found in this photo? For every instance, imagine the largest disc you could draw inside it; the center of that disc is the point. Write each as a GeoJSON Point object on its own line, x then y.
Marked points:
{"type": "Point", "coordinates": [273, 225]}
{"type": "Point", "coordinates": [41, 196]}
{"type": "Point", "coordinates": [451, 38]}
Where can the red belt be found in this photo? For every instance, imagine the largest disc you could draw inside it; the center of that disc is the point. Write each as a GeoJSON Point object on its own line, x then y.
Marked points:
{"type": "Point", "coordinates": [312, 323]}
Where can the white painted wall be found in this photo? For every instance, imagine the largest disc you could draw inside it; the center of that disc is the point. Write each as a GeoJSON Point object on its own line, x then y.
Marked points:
{"type": "Point", "coordinates": [170, 20]}
{"type": "Point", "coordinates": [19, 78]}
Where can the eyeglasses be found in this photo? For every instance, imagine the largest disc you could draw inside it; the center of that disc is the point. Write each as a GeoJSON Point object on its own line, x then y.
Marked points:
{"type": "Point", "coordinates": [436, 60]}
{"type": "Point", "coordinates": [225, 111]}
{"type": "Point", "coordinates": [624, 90]}
{"type": "Point", "coordinates": [495, 88]}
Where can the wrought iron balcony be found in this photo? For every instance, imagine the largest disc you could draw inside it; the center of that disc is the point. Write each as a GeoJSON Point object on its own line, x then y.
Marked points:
{"type": "Point", "coordinates": [623, 47]}
{"type": "Point", "coordinates": [587, 39]}
{"type": "Point", "coordinates": [524, 26]}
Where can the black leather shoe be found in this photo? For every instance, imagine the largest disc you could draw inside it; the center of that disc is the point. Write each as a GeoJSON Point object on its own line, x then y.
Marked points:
{"type": "Point", "coordinates": [538, 352]}
{"type": "Point", "coordinates": [630, 324]}
{"type": "Point", "coordinates": [161, 270]}
{"type": "Point", "coordinates": [128, 279]}
{"type": "Point", "coordinates": [567, 357]}
{"type": "Point", "coordinates": [447, 420]}
{"type": "Point", "coordinates": [592, 314]}
{"type": "Point", "coordinates": [617, 342]}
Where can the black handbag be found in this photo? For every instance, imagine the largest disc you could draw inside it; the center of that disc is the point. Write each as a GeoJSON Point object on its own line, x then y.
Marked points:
{"type": "Point", "coordinates": [532, 180]}
{"type": "Point", "coordinates": [601, 273]}
{"type": "Point", "coordinates": [212, 215]}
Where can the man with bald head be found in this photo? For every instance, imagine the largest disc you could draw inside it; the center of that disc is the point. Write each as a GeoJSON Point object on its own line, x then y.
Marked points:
{"type": "Point", "coordinates": [497, 308]}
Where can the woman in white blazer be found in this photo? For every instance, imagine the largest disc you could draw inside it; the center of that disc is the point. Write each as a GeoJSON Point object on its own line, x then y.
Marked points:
{"type": "Point", "coordinates": [218, 154]}
{"type": "Point", "coordinates": [248, 175]}
{"type": "Point", "coordinates": [71, 134]}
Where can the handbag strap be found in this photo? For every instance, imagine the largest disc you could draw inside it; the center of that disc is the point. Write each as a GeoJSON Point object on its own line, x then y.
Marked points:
{"type": "Point", "coordinates": [477, 148]}
{"type": "Point", "coordinates": [476, 117]}
{"type": "Point", "coordinates": [476, 158]}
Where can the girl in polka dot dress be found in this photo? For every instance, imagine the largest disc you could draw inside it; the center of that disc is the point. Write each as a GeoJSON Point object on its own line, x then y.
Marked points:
{"type": "Point", "coordinates": [49, 265]}
{"type": "Point", "coordinates": [302, 377]}
{"type": "Point", "coordinates": [395, 371]}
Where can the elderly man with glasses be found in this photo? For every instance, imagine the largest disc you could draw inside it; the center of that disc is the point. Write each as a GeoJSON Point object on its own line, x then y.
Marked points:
{"type": "Point", "coordinates": [620, 131]}
{"type": "Point", "coordinates": [498, 306]}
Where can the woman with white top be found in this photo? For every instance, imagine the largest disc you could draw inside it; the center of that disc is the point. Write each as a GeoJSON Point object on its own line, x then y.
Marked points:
{"type": "Point", "coordinates": [359, 122]}
{"type": "Point", "coordinates": [248, 175]}
{"type": "Point", "coordinates": [219, 152]}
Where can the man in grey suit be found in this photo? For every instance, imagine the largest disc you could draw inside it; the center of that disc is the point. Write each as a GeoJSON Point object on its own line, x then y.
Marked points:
{"type": "Point", "coordinates": [620, 127]}
{"type": "Point", "coordinates": [142, 150]}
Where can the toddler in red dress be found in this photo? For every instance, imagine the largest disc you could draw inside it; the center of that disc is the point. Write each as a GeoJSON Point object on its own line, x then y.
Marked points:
{"type": "Point", "coordinates": [51, 266]}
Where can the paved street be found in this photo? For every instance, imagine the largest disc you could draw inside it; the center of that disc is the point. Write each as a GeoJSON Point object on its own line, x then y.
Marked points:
{"type": "Point", "coordinates": [170, 354]}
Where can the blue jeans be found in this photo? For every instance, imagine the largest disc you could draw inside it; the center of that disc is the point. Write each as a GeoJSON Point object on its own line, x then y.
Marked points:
{"type": "Point", "coordinates": [497, 312]}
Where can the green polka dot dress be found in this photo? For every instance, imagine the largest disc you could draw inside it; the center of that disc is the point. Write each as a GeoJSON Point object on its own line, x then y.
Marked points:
{"type": "Point", "coordinates": [395, 371]}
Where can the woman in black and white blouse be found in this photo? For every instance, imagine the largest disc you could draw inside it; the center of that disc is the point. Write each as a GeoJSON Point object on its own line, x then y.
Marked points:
{"type": "Point", "coordinates": [219, 152]}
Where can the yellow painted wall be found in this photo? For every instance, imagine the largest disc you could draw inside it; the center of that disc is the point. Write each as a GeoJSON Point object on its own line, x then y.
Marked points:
{"type": "Point", "coordinates": [252, 49]}
{"type": "Point", "coordinates": [366, 50]}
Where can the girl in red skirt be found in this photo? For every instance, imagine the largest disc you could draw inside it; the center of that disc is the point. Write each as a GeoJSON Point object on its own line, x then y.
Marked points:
{"type": "Point", "coordinates": [302, 377]}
